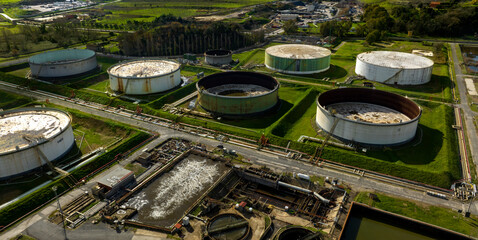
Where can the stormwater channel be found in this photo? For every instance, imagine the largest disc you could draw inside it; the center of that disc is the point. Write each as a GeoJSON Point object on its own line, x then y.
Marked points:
{"type": "Point", "coordinates": [163, 201]}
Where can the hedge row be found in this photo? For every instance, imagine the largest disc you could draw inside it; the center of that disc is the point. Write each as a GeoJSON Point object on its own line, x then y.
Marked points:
{"type": "Point", "coordinates": [15, 67]}
{"type": "Point", "coordinates": [44, 194]}
{"type": "Point", "coordinates": [173, 96]}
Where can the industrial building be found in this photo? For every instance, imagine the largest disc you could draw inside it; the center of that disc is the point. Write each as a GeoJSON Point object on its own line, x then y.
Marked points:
{"type": "Point", "coordinates": [62, 63]}
{"type": "Point", "coordinates": [32, 137]}
{"type": "Point", "coordinates": [113, 182]}
{"type": "Point", "coordinates": [140, 77]}
{"type": "Point", "coordinates": [394, 67]}
{"type": "Point", "coordinates": [367, 116]}
{"type": "Point", "coordinates": [218, 57]}
{"type": "Point", "coordinates": [237, 94]}
{"type": "Point", "coordinates": [297, 58]}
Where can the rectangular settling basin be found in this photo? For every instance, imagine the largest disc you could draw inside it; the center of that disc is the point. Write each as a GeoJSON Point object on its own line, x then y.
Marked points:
{"type": "Point", "coordinates": [165, 199]}
{"type": "Point", "coordinates": [364, 222]}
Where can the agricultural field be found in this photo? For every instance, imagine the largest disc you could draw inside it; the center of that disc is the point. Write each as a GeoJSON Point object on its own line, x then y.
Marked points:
{"type": "Point", "coordinates": [439, 216]}
{"type": "Point", "coordinates": [147, 10]}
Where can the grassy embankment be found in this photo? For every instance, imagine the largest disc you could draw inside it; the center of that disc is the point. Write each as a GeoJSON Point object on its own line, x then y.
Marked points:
{"type": "Point", "coordinates": [439, 216]}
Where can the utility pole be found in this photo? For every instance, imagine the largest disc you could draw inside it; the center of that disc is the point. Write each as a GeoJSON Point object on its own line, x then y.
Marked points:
{"type": "Point", "coordinates": [54, 188]}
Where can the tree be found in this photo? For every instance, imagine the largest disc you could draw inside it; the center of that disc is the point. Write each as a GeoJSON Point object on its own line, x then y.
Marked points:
{"type": "Point", "coordinates": [290, 27]}
{"type": "Point", "coordinates": [373, 36]}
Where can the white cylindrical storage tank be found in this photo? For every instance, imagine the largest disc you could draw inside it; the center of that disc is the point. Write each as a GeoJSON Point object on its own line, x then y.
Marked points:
{"type": "Point", "coordinates": [367, 116]}
{"type": "Point", "coordinates": [25, 131]}
{"type": "Point", "coordinates": [139, 77]}
{"type": "Point", "coordinates": [394, 67]}
{"type": "Point", "coordinates": [297, 58]}
{"type": "Point", "coordinates": [62, 63]}
{"type": "Point", "coordinates": [218, 57]}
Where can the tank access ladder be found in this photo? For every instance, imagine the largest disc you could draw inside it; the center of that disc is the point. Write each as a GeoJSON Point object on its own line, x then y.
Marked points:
{"type": "Point", "coordinates": [319, 150]}
{"type": "Point", "coordinates": [41, 155]}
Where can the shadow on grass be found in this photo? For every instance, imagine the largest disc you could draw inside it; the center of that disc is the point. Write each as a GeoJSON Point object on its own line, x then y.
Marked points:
{"type": "Point", "coordinates": [423, 153]}
{"type": "Point", "coordinates": [334, 72]}
{"type": "Point", "coordinates": [262, 121]}
{"type": "Point", "coordinates": [436, 85]}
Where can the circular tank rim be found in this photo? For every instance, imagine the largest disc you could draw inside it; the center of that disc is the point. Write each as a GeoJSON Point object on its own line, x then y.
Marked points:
{"type": "Point", "coordinates": [138, 60]}
{"type": "Point", "coordinates": [218, 75]}
{"type": "Point", "coordinates": [220, 53]}
{"type": "Point", "coordinates": [290, 227]}
{"type": "Point", "coordinates": [37, 110]}
{"type": "Point", "coordinates": [334, 91]}
{"type": "Point", "coordinates": [427, 60]}
{"type": "Point", "coordinates": [226, 214]}
{"type": "Point", "coordinates": [328, 53]}
{"type": "Point", "coordinates": [30, 61]}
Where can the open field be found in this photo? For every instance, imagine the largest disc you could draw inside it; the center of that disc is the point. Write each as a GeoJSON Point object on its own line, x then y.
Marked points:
{"type": "Point", "coordinates": [439, 216]}
{"type": "Point", "coordinates": [147, 10]}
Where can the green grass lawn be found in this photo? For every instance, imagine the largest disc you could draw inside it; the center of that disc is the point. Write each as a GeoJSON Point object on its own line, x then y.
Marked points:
{"type": "Point", "coordinates": [4, 2]}
{"type": "Point", "coordinates": [10, 100]}
{"type": "Point", "coordinates": [304, 126]}
{"type": "Point", "coordinates": [437, 89]}
{"type": "Point", "coordinates": [289, 95]}
{"type": "Point", "coordinates": [439, 216]}
{"type": "Point", "coordinates": [434, 152]}
{"type": "Point", "coordinates": [437, 151]}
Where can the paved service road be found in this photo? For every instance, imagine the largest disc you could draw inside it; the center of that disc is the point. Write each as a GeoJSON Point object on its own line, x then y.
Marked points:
{"type": "Point", "coordinates": [33, 223]}
{"type": "Point", "coordinates": [468, 113]}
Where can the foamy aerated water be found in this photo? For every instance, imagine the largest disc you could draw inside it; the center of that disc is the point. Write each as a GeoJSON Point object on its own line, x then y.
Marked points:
{"type": "Point", "coordinates": [164, 200]}
{"type": "Point", "coordinates": [138, 201]}
{"type": "Point", "coordinates": [186, 180]}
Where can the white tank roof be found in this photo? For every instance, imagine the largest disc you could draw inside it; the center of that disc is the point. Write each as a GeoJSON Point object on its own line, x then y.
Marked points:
{"type": "Point", "coordinates": [395, 59]}
{"type": "Point", "coordinates": [28, 128]}
{"type": "Point", "coordinates": [143, 68]}
{"type": "Point", "coordinates": [298, 51]}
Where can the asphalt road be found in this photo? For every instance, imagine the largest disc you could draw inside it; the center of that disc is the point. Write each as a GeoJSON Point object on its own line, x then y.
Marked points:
{"type": "Point", "coordinates": [468, 114]}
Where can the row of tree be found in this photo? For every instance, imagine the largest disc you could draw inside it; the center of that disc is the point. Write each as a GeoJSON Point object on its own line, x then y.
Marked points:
{"type": "Point", "coordinates": [27, 37]}
{"type": "Point", "coordinates": [419, 20]}
{"type": "Point", "coordinates": [176, 39]}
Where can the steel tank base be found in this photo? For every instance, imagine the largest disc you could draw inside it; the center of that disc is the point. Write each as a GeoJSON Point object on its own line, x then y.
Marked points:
{"type": "Point", "coordinates": [297, 72]}
{"type": "Point", "coordinates": [367, 116]}
{"type": "Point", "coordinates": [238, 94]}
{"type": "Point", "coordinates": [39, 167]}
